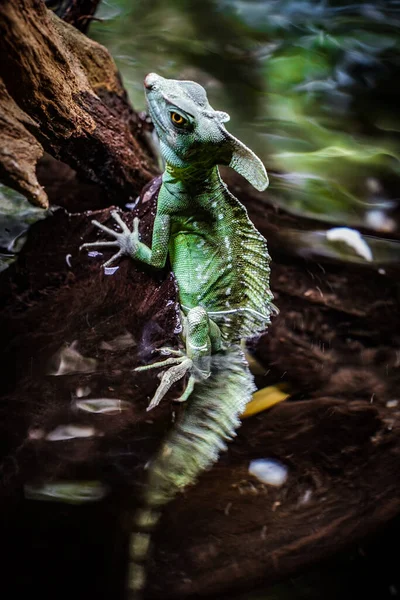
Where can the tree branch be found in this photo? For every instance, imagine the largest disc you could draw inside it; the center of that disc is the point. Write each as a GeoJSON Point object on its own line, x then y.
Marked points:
{"type": "Point", "coordinates": [78, 13]}
{"type": "Point", "coordinates": [76, 107]}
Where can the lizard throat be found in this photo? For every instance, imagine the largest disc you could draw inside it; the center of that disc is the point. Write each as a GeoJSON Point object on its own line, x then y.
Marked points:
{"type": "Point", "coordinates": [189, 179]}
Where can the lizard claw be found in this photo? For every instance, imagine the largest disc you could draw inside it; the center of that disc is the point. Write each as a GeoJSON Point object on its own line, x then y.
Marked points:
{"type": "Point", "coordinates": [126, 240]}
{"type": "Point", "coordinates": [187, 391]}
{"type": "Point", "coordinates": [163, 363]}
{"type": "Point", "coordinates": [182, 364]}
{"type": "Point", "coordinates": [166, 350]}
{"type": "Point", "coordinates": [170, 377]}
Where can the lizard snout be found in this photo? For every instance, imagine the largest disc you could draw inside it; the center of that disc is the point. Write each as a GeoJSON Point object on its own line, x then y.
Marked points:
{"type": "Point", "coordinates": [150, 81]}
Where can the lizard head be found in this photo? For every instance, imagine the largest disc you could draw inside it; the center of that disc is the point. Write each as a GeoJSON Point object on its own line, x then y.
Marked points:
{"type": "Point", "coordinates": [192, 134]}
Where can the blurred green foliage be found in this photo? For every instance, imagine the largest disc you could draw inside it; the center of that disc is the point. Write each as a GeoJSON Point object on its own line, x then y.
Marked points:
{"type": "Point", "coordinates": [310, 86]}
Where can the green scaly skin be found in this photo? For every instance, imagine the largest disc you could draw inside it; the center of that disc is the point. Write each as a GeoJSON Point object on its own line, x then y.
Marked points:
{"type": "Point", "coordinates": [221, 265]}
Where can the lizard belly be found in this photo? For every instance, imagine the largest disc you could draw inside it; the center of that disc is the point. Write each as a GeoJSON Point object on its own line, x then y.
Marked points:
{"type": "Point", "coordinates": [201, 271]}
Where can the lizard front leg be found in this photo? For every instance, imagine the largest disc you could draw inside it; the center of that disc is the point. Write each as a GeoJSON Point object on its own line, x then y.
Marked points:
{"type": "Point", "coordinates": [127, 240]}
{"type": "Point", "coordinates": [129, 243]}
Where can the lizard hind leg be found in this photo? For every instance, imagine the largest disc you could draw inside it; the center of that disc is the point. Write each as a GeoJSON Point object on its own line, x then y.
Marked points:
{"type": "Point", "coordinates": [198, 340]}
{"type": "Point", "coordinates": [181, 365]}
{"type": "Point", "coordinates": [201, 337]}
{"type": "Point", "coordinates": [171, 376]}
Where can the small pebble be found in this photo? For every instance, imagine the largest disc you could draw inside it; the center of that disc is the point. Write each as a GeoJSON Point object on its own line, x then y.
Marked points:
{"type": "Point", "coordinates": [392, 403]}
{"type": "Point", "coordinates": [269, 471]}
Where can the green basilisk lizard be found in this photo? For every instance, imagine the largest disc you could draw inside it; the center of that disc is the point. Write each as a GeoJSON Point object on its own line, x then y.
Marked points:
{"type": "Point", "coordinates": [221, 265]}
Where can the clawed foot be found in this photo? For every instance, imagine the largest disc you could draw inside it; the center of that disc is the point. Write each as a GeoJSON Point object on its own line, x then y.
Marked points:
{"type": "Point", "coordinates": [178, 354]}
{"type": "Point", "coordinates": [182, 364]}
{"type": "Point", "coordinates": [126, 240]}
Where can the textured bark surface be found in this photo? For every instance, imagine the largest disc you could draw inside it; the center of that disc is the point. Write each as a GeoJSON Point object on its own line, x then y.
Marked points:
{"type": "Point", "coordinates": [19, 150]}
{"type": "Point", "coordinates": [337, 435]}
{"type": "Point", "coordinates": [75, 104]}
{"type": "Point", "coordinates": [335, 343]}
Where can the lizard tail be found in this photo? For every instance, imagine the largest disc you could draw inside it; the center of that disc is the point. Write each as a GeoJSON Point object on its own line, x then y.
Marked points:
{"type": "Point", "coordinates": [211, 417]}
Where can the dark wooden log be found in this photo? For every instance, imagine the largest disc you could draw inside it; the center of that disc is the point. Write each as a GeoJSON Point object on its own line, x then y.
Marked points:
{"type": "Point", "coordinates": [55, 342]}
{"type": "Point", "coordinates": [232, 532]}
{"type": "Point", "coordinates": [338, 436]}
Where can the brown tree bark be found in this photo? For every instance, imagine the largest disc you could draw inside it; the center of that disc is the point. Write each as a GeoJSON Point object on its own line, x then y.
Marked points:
{"type": "Point", "coordinates": [74, 103]}
{"type": "Point", "coordinates": [332, 343]}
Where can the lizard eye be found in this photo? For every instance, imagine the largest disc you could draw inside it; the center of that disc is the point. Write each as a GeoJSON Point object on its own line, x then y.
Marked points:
{"type": "Point", "coordinates": [178, 120]}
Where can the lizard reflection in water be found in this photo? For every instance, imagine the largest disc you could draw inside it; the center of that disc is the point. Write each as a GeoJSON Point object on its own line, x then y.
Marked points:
{"type": "Point", "coordinates": [221, 265]}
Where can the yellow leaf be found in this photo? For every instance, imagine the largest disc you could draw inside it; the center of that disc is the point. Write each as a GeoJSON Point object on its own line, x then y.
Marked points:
{"type": "Point", "coordinates": [265, 398]}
